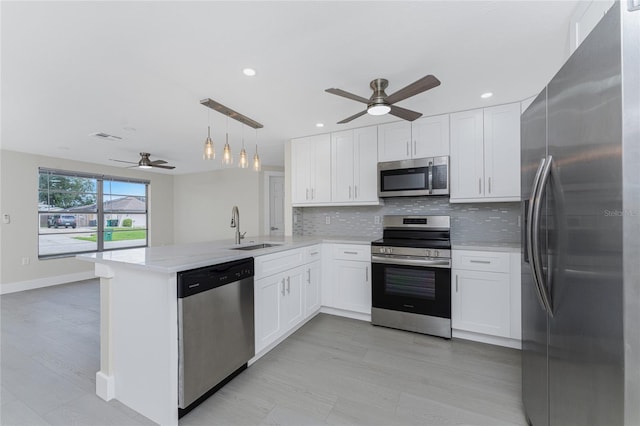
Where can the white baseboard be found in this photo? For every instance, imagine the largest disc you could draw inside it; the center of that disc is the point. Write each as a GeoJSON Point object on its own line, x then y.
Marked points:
{"type": "Point", "coordinates": [485, 338]}
{"type": "Point", "coordinates": [105, 386]}
{"type": "Point", "coordinates": [45, 282]}
{"type": "Point", "coordinates": [347, 314]}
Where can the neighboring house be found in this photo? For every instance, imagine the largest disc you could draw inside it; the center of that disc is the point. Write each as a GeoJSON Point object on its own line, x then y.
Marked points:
{"type": "Point", "coordinates": [116, 210]}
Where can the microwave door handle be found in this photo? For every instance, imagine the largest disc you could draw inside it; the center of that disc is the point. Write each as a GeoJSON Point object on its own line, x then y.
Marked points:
{"type": "Point", "coordinates": [430, 177]}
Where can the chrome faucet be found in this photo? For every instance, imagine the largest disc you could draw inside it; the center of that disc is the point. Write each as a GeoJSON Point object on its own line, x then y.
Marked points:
{"type": "Point", "coordinates": [235, 223]}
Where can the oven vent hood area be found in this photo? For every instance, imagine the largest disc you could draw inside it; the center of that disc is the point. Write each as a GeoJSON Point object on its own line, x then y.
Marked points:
{"type": "Point", "coordinates": [414, 178]}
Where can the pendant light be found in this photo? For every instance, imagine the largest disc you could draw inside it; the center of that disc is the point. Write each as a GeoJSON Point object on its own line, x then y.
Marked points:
{"type": "Point", "coordinates": [209, 150]}
{"type": "Point", "coordinates": [256, 159]}
{"type": "Point", "coordinates": [227, 158]}
{"type": "Point", "coordinates": [243, 162]}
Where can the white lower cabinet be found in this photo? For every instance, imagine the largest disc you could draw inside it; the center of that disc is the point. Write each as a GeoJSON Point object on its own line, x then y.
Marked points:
{"type": "Point", "coordinates": [287, 295]}
{"type": "Point", "coordinates": [485, 296]}
{"type": "Point", "coordinates": [480, 302]}
{"type": "Point", "coordinates": [352, 286]}
{"type": "Point", "coordinates": [349, 288]}
{"type": "Point", "coordinates": [312, 286]}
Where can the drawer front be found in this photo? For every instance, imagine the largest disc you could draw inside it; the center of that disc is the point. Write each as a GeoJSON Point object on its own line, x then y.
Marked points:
{"type": "Point", "coordinates": [278, 262]}
{"type": "Point", "coordinates": [312, 253]}
{"type": "Point", "coordinates": [352, 252]}
{"type": "Point", "coordinates": [481, 261]}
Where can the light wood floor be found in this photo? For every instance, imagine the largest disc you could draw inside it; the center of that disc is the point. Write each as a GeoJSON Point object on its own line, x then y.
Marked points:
{"type": "Point", "coordinates": [332, 371]}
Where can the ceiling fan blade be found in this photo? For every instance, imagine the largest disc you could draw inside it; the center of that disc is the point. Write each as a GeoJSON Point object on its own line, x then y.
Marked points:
{"type": "Point", "coordinates": [122, 161]}
{"type": "Point", "coordinates": [424, 84]}
{"type": "Point", "coordinates": [154, 162]}
{"type": "Point", "coordinates": [353, 117]}
{"type": "Point", "coordinates": [162, 167]}
{"type": "Point", "coordinates": [405, 114]}
{"type": "Point", "coordinates": [347, 95]}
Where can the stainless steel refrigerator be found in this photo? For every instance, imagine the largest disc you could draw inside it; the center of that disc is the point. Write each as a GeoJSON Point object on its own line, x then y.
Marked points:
{"type": "Point", "coordinates": [581, 245]}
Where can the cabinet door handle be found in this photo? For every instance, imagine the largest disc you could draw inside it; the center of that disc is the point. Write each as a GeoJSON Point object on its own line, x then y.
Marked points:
{"type": "Point", "coordinates": [486, 262]}
{"type": "Point", "coordinates": [407, 148]}
{"type": "Point", "coordinates": [350, 252]}
{"type": "Point", "coordinates": [456, 283]}
{"type": "Point", "coordinates": [366, 274]}
{"type": "Point", "coordinates": [415, 149]}
{"type": "Point", "coordinates": [349, 191]}
{"type": "Point", "coordinates": [283, 286]}
{"type": "Point", "coordinates": [288, 284]}
{"type": "Point", "coordinates": [313, 253]}
{"type": "Point", "coordinates": [479, 185]}
{"type": "Point", "coordinates": [309, 276]}
{"type": "Point", "coordinates": [489, 185]}
{"type": "Point", "coordinates": [313, 193]}
{"type": "Point", "coordinates": [306, 197]}
{"type": "Point", "coordinates": [355, 192]}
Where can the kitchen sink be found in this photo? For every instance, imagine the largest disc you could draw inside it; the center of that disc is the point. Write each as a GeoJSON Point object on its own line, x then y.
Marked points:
{"type": "Point", "coordinates": [256, 246]}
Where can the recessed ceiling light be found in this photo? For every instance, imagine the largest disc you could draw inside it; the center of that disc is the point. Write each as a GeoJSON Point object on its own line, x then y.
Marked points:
{"type": "Point", "coordinates": [486, 95]}
{"type": "Point", "coordinates": [319, 124]}
{"type": "Point", "coordinates": [250, 72]}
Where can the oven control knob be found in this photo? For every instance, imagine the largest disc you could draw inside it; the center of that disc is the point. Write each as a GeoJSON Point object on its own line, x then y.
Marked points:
{"type": "Point", "coordinates": [428, 253]}
{"type": "Point", "coordinates": [436, 253]}
{"type": "Point", "coordinates": [389, 250]}
{"type": "Point", "coordinates": [381, 249]}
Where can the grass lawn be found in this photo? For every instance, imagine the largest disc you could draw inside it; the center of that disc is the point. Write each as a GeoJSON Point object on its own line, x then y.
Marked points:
{"type": "Point", "coordinates": [120, 234]}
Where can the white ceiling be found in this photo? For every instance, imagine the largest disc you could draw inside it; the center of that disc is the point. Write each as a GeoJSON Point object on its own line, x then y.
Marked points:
{"type": "Point", "coordinates": [70, 69]}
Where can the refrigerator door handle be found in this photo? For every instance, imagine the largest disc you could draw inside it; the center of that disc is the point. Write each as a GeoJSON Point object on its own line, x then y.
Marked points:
{"type": "Point", "coordinates": [530, 234]}
{"type": "Point", "coordinates": [536, 260]}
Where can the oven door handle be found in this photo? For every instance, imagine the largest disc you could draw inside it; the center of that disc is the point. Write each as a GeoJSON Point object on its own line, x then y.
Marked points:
{"type": "Point", "coordinates": [430, 177]}
{"type": "Point", "coordinates": [440, 263]}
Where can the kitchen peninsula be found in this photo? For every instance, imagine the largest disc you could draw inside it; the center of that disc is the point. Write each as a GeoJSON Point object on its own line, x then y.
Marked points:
{"type": "Point", "coordinates": [139, 353]}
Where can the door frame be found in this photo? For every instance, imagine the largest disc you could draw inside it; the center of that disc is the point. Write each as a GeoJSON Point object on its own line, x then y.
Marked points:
{"type": "Point", "coordinates": [267, 199]}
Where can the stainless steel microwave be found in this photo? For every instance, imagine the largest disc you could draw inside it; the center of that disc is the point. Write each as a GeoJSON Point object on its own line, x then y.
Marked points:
{"type": "Point", "coordinates": [412, 178]}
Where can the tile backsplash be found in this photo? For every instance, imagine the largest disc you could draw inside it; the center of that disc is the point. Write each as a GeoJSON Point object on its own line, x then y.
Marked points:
{"type": "Point", "coordinates": [479, 222]}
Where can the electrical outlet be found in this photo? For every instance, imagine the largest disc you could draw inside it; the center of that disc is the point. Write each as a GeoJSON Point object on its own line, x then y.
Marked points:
{"type": "Point", "coordinates": [376, 220]}
{"type": "Point", "coordinates": [25, 261]}
{"type": "Point", "coordinates": [6, 218]}
{"type": "Point", "coordinates": [327, 220]}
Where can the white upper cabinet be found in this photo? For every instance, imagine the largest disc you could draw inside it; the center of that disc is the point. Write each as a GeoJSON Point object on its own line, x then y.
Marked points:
{"type": "Point", "coordinates": [353, 166]}
{"type": "Point", "coordinates": [467, 154]}
{"type": "Point", "coordinates": [485, 154]}
{"type": "Point", "coordinates": [502, 151]}
{"type": "Point", "coordinates": [394, 141]}
{"type": "Point", "coordinates": [430, 136]}
{"type": "Point", "coordinates": [425, 137]}
{"type": "Point", "coordinates": [311, 170]}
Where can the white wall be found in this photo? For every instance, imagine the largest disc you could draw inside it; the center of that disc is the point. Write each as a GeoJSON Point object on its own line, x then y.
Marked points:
{"type": "Point", "coordinates": [203, 203]}
{"type": "Point", "coordinates": [19, 199]}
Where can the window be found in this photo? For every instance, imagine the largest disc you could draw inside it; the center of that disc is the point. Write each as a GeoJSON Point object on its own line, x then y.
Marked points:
{"type": "Point", "coordinates": [81, 213]}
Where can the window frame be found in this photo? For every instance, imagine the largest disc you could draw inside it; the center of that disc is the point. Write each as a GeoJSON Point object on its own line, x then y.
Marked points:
{"type": "Point", "coordinates": [99, 211]}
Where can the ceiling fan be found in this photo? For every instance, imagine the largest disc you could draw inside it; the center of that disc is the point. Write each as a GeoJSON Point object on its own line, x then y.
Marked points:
{"type": "Point", "coordinates": [146, 163]}
{"type": "Point", "coordinates": [380, 103]}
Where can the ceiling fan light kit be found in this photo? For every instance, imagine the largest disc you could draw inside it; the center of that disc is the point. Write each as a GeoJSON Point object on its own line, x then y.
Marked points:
{"type": "Point", "coordinates": [380, 103]}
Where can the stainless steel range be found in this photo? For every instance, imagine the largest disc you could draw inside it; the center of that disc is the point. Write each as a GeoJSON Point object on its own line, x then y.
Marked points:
{"type": "Point", "coordinates": [411, 280]}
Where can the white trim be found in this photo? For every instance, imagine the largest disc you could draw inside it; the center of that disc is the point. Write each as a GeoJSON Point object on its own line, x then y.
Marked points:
{"type": "Point", "coordinates": [267, 200]}
{"type": "Point", "coordinates": [45, 282]}
{"type": "Point", "coordinates": [346, 314]}
{"type": "Point", "coordinates": [485, 338]}
{"type": "Point", "coordinates": [105, 386]}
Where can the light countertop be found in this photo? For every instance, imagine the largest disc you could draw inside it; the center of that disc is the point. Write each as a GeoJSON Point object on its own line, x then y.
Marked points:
{"type": "Point", "coordinates": [484, 246]}
{"type": "Point", "coordinates": [182, 257]}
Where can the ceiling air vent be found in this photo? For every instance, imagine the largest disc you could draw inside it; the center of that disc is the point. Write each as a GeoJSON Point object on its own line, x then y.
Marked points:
{"type": "Point", "coordinates": [106, 136]}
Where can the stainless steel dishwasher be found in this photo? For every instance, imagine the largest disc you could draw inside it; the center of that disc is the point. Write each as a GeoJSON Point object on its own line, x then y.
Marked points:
{"type": "Point", "coordinates": [215, 328]}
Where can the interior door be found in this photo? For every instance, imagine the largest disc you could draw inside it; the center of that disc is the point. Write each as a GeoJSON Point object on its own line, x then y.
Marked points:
{"type": "Point", "coordinates": [276, 205]}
